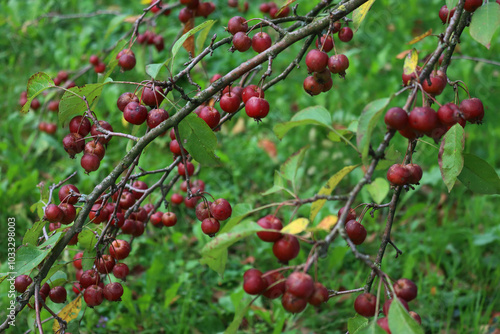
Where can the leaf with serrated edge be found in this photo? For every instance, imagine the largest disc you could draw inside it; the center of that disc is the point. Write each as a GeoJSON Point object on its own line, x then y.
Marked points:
{"type": "Point", "coordinates": [37, 83]}
{"type": "Point", "coordinates": [411, 61]}
{"type": "Point", "coordinates": [69, 312]}
{"type": "Point", "coordinates": [296, 227]}
{"type": "Point", "coordinates": [372, 328]}
{"type": "Point", "coordinates": [31, 236]}
{"type": "Point", "coordinates": [359, 14]}
{"type": "Point", "coordinates": [479, 176]}
{"type": "Point", "coordinates": [72, 103]}
{"type": "Point", "coordinates": [450, 158]}
{"type": "Point", "coordinates": [484, 23]}
{"type": "Point", "coordinates": [356, 323]}
{"type": "Point", "coordinates": [199, 140]}
{"type": "Point", "coordinates": [400, 321]}
{"type": "Point", "coordinates": [367, 122]}
{"type": "Point", "coordinates": [328, 188]}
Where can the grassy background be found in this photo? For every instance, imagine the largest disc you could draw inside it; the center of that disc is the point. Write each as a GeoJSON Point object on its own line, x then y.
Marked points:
{"type": "Point", "coordinates": [450, 240]}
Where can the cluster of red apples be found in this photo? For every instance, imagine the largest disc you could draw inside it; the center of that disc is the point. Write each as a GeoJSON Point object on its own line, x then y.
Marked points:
{"type": "Point", "coordinates": [405, 290]}
{"type": "Point", "coordinates": [321, 65]}
{"type": "Point", "coordinates": [470, 5]}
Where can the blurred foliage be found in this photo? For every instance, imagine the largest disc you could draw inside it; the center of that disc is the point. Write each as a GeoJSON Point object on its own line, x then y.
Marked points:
{"type": "Point", "coordinates": [450, 241]}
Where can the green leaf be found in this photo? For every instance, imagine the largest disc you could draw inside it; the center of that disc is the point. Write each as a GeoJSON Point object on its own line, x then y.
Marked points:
{"type": "Point", "coordinates": [38, 207]}
{"type": "Point", "coordinates": [359, 14]}
{"type": "Point", "coordinates": [484, 23]}
{"type": "Point", "coordinates": [357, 323]}
{"type": "Point", "coordinates": [175, 49]}
{"type": "Point", "coordinates": [367, 122]}
{"type": "Point", "coordinates": [72, 102]}
{"type": "Point", "coordinates": [199, 140]}
{"type": "Point", "coordinates": [153, 69]}
{"type": "Point", "coordinates": [291, 165]}
{"type": "Point", "coordinates": [316, 115]}
{"type": "Point", "coordinates": [378, 189]}
{"type": "Point", "coordinates": [450, 158]}
{"type": "Point", "coordinates": [28, 257]}
{"type": "Point", "coordinates": [31, 236]}
{"type": "Point", "coordinates": [171, 293]}
{"type": "Point", "coordinates": [479, 176]}
{"type": "Point", "coordinates": [338, 135]}
{"type": "Point", "coordinates": [240, 211]}
{"type": "Point", "coordinates": [58, 278]}
{"type": "Point", "coordinates": [88, 259]}
{"type": "Point", "coordinates": [87, 239]}
{"type": "Point", "coordinates": [279, 184]}
{"type": "Point", "coordinates": [54, 269]}
{"type": "Point", "coordinates": [238, 316]}
{"type": "Point", "coordinates": [214, 253]}
{"type": "Point", "coordinates": [202, 37]}
{"type": "Point", "coordinates": [400, 321]}
{"type": "Point", "coordinates": [372, 328]}
{"type": "Point", "coordinates": [328, 188]}
{"type": "Point", "coordinates": [37, 83]}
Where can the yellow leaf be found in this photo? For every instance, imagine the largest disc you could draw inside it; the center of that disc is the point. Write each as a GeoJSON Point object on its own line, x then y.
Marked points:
{"type": "Point", "coordinates": [327, 223]}
{"type": "Point", "coordinates": [328, 188]}
{"type": "Point", "coordinates": [421, 37]}
{"type": "Point", "coordinates": [145, 2]}
{"type": "Point", "coordinates": [286, 4]}
{"type": "Point", "coordinates": [296, 227]}
{"type": "Point", "coordinates": [69, 312]}
{"type": "Point", "coordinates": [411, 61]}
{"type": "Point", "coordinates": [359, 13]}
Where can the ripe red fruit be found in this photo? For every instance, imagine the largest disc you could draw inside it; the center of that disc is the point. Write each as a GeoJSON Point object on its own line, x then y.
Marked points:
{"type": "Point", "coordinates": [355, 231]}
{"type": "Point", "coordinates": [113, 291]}
{"type": "Point", "coordinates": [237, 24]}
{"type": "Point", "coordinates": [69, 213]}
{"type": "Point", "coordinates": [151, 98]}
{"type": "Point", "coordinates": [94, 60]}
{"type": "Point", "coordinates": [338, 64]}
{"type": "Point", "coordinates": [325, 42]}
{"type": "Point", "coordinates": [221, 209]}
{"type": "Point", "coordinates": [191, 202]}
{"type": "Point", "coordinates": [445, 15]}
{"type": "Point", "coordinates": [210, 226]}
{"type": "Point", "coordinates": [415, 315]}
{"type": "Point", "coordinates": [406, 289]}
{"type": "Point", "coordinates": [257, 108]}
{"type": "Point", "coordinates": [203, 210]}
{"type": "Point", "coordinates": [58, 294]}
{"type": "Point", "coordinates": [22, 282]}
{"type": "Point", "coordinates": [77, 288]}
{"type": "Point", "coordinates": [251, 272]}
{"type": "Point", "coordinates": [449, 114]}
{"type": "Point", "coordinates": [89, 277]}
{"type": "Point", "coordinates": [100, 68]}
{"type": "Point", "coordinates": [312, 86]}
{"type": "Point", "coordinates": [126, 59]}
{"type": "Point", "coordinates": [140, 185]}
{"type": "Point", "coordinates": [185, 15]}
{"type": "Point", "coordinates": [120, 270]}
{"type": "Point", "coordinates": [286, 248]}
{"type": "Point", "coordinates": [415, 173]}
{"type": "Point", "coordinates": [169, 219]}
{"type": "Point", "coordinates": [98, 217]}
{"type": "Point", "coordinates": [54, 226]}
{"type": "Point", "coordinates": [388, 302]}
{"type": "Point", "coordinates": [119, 249]}
{"type": "Point", "coordinates": [156, 219]}
{"type": "Point", "coordinates": [274, 289]}
{"type": "Point", "coordinates": [95, 132]}
{"type": "Point", "coordinates": [438, 84]}
{"type": "Point", "coordinates": [254, 285]}
{"type": "Point", "coordinates": [210, 115]}
{"type": "Point", "coordinates": [230, 102]}
{"type": "Point", "coordinates": [53, 213]}
{"type": "Point", "coordinates": [105, 264]}
{"type": "Point", "coordinates": [251, 91]}
{"type": "Point", "coordinates": [396, 118]}
{"type": "Point", "coordinates": [472, 110]}
{"type": "Point", "coordinates": [350, 216]}
{"type": "Point", "coordinates": [408, 133]}
{"type": "Point", "coordinates": [80, 125]}
{"type": "Point", "coordinates": [300, 284]}
{"type": "Point", "coordinates": [95, 147]}
{"type": "Point", "coordinates": [384, 324]}
{"type": "Point", "coordinates": [181, 169]}
{"type": "Point", "coordinates": [69, 194]}
{"type": "Point", "coordinates": [125, 99]}
{"type": "Point", "coordinates": [345, 34]}
{"type": "Point", "coordinates": [156, 116]}
{"type": "Point", "coordinates": [365, 304]}
{"type": "Point", "coordinates": [73, 144]}
{"type": "Point", "coordinates": [35, 104]}
{"type": "Point", "coordinates": [90, 162]}
{"type": "Point", "coordinates": [472, 5]}
{"type": "Point", "coordinates": [261, 42]}
{"type": "Point", "coordinates": [241, 41]}
{"type": "Point", "coordinates": [423, 119]}
{"type": "Point", "coordinates": [319, 296]}
{"type": "Point", "coordinates": [77, 260]}
{"type": "Point", "coordinates": [398, 175]}
{"type": "Point", "coordinates": [53, 106]}
{"type": "Point", "coordinates": [135, 113]}
{"type": "Point", "coordinates": [316, 60]}
{"type": "Point", "coordinates": [176, 199]}
{"type": "Point", "coordinates": [292, 303]}
{"type": "Point", "coordinates": [270, 222]}
{"type": "Point", "coordinates": [93, 295]}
